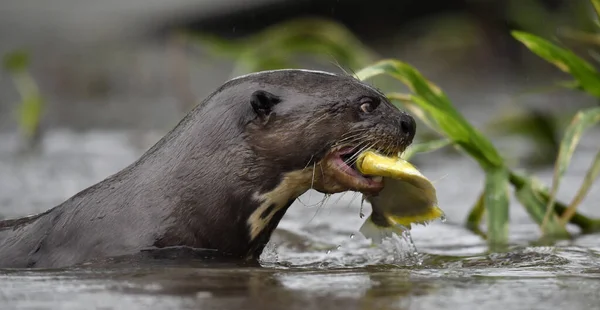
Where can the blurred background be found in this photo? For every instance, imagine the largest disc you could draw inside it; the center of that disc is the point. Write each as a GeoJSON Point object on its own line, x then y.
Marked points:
{"type": "Point", "coordinates": [95, 83]}
{"type": "Point", "coordinates": [121, 64]}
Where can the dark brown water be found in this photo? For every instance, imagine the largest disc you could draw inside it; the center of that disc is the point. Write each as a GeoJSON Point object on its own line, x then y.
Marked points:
{"type": "Point", "coordinates": [317, 259]}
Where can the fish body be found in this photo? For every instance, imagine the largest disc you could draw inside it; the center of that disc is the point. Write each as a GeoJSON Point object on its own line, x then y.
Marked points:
{"type": "Point", "coordinates": [407, 198]}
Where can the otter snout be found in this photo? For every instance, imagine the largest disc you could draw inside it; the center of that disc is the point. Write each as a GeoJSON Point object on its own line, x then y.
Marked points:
{"type": "Point", "coordinates": [408, 126]}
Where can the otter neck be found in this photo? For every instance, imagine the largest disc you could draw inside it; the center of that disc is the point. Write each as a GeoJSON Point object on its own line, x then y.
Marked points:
{"type": "Point", "coordinates": [273, 204]}
{"type": "Point", "coordinates": [240, 225]}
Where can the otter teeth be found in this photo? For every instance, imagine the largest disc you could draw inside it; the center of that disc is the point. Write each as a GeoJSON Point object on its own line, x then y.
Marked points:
{"type": "Point", "coordinates": [377, 178]}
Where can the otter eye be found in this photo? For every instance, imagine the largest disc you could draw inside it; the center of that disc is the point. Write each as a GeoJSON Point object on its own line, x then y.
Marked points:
{"type": "Point", "coordinates": [367, 105]}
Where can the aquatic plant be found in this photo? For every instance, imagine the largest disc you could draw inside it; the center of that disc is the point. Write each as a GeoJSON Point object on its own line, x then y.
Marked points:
{"type": "Point", "coordinates": [16, 64]}
{"type": "Point", "coordinates": [586, 79]}
{"type": "Point", "coordinates": [431, 105]}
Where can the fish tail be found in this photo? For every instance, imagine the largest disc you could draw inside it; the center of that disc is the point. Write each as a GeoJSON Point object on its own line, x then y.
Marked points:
{"type": "Point", "coordinates": [428, 215]}
{"type": "Point", "coordinates": [377, 233]}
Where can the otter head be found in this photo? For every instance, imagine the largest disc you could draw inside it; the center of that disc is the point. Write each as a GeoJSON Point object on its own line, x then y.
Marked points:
{"type": "Point", "coordinates": [266, 138]}
{"type": "Point", "coordinates": [318, 122]}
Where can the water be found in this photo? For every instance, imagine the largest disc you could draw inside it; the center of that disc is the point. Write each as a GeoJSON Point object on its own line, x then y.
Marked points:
{"type": "Point", "coordinates": [313, 261]}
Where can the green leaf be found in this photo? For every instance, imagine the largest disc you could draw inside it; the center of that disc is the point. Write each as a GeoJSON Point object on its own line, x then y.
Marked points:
{"type": "Point", "coordinates": [596, 4]}
{"type": "Point", "coordinates": [582, 121]}
{"type": "Point", "coordinates": [565, 60]}
{"type": "Point", "coordinates": [586, 224]}
{"type": "Point", "coordinates": [496, 202]}
{"type": "Point", "coordinates": [530, 196]}
{"type": "Point", "coordinates": [589, 179]}
{"type": "Point", "coordinates": [30, 108]}
{"type": "Point", "coordinates": [574, 85]}
{"type": "Point", "coordinates": [476, 215]}
{"type": "Point", "coordinates": [408, 104]}
{"type": "Point", "coordinates": [410, 77]}
{"type": "Point", "coordinates": [16, 61]}
{"type": "Point", "coordinates": [437, 108]}
{"type": "Point", "coordinates": [30, 115]}
{"type": "Point", "coordinates": [425, 147]}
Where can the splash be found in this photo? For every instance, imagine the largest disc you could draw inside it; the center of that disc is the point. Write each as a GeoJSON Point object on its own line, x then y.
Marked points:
{"type": "Point", "coordinates": [412, 247]}
{"type": "Point", "coordinates": [362, 204]}
{"type": "Point", "coordinates": [400, 250]}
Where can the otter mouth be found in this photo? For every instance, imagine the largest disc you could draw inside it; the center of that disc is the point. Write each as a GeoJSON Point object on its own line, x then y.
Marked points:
{"type": "Point", "coordinates": [341, 165]}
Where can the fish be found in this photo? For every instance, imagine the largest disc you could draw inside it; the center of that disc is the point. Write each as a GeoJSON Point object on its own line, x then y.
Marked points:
{"type": "Point", "coordinates": [407, 198]}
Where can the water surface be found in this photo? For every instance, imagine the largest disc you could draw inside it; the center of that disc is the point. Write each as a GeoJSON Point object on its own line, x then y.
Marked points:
{"type": "Point", "coordinates": [316, 258]}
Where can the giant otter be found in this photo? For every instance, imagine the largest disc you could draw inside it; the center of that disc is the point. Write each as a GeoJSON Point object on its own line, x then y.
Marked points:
{"type": "Point", "coordinates": [223, 178]}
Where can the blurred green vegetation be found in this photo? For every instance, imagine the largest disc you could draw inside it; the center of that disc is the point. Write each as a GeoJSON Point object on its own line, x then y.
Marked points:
{"type": "Point", "coordinates": [31, 106]}
{"type": "Point", "coordinates": [535, 17]}
{"type": "Point", "coordinates": [280, 45]}
{"type": "Point", "coordinates": [283, 45]}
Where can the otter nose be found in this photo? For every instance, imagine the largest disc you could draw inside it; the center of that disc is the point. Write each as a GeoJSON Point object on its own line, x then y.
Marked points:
{"type": "Point", "coordinates": [408, 126]}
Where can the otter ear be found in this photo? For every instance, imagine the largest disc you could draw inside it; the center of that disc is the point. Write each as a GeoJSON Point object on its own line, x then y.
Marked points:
{"type": "Point", "coordinates": [263, 102]}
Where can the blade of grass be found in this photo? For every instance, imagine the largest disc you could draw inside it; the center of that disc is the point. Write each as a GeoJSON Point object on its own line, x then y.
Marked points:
{"type": "Point", "coordinates": [32, 104]}
{"type": "Point", "coordinates": [589, 179]}
{"type": "Point", "coordinates": [414, 109]}
{"type": "Point", "coordinates": [565, 60]}
{"type": "Point", "coordinates": [476, 215]}
{"type": "Point", "coordinates": [596, 4]}
{"type": "Point", "coordinates": [529, 194]}
{"type": "Point", "coordinates": [399, 96]}
{"type": "Point", "coordinates": [439, 109]}
{"type": "Point", "coordinates": [30, 110]}
{"type": "Point", "coordinates": [582, 120]}
{"type": "Point", "coordinates": [587, 225]}
{"type": "Point", "coordinates": [581, 36]}
{"type": "Point", "coordinates": [425, 147]}
{"type": "Point", "coordinates": [411, 77]}
{"type": "Point", "coordinates": [496, 202]}
{"type": "Point", "coordinates": [464, 136]}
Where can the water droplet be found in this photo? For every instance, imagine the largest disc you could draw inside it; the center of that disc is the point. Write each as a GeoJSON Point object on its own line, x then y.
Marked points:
{"type": "Point", "coordinates": [352, 236]}
{"type": "Point", "coordinates": [338, 247]}
{"type": "Point", "coordinates": [328, 252]}
{"type": "Point", "coordinates": [362, 202]}
{"type": "Point", "coordinates": [408, 237]}
{"type": "Point", "coordinates": [443, 218]}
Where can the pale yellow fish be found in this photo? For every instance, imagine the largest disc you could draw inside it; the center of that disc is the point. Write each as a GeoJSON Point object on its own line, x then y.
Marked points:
{"type": "Point", "coordinates": [407, 198]}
